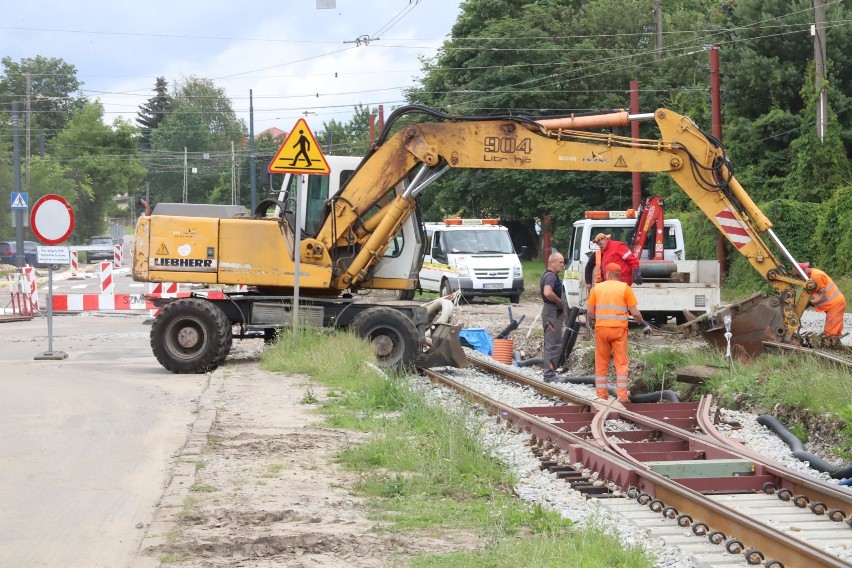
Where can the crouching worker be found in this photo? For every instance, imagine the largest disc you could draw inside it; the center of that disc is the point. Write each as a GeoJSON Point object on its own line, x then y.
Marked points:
{"type": "Point", "coordinates": [828, 299]}
{"type": "Point", "coordinates": [609, 304]}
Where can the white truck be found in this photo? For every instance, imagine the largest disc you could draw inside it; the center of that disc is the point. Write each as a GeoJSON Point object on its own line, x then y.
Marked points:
{"type": "Point", "coordinates": [669, 286]}
{"type": "Point", "coordinates": [475, 256]}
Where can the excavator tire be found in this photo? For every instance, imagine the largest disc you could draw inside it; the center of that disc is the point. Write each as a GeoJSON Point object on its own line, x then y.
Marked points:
{"type": "Point", "coordinates": [191, 335]}
{"type": "Point", "coordinates": [393, 337]}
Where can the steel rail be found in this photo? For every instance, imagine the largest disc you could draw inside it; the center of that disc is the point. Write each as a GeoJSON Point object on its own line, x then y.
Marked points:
{"type": "Point", "coordinates": [597, 456]}
{"type": "Point", "coordinates": [809, 351]}
{"type": "Point", "coordinates": [798, 483]}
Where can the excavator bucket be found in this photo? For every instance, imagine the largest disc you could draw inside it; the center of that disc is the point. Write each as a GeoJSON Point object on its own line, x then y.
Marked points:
{"type": "Point", "coordinates": [446, 350]}
{"type": "Point", "coordinates": [752, 321]}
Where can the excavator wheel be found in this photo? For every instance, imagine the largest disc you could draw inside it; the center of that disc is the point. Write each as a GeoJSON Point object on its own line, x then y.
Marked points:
{"type": "Point", "coordinates": [405, 295]}
{"type": "Point", "coordinates": [191, 335]}
{"type": "Point", "coordinates": [393, 337]}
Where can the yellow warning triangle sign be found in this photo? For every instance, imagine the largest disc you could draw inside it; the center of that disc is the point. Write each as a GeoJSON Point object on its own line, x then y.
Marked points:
{"type": "Point", "coordinates": [300, 153]}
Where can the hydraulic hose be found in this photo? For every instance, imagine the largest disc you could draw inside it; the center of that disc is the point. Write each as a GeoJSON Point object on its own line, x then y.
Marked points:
{"type": "Point", "coordinates": [837, 472]}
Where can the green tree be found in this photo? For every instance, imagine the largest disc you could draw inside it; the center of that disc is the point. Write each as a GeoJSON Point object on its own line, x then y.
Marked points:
{"type": "Point", "coordinates": [52, 87]}
{"type": "Point", "coordinates": [101, 158]}
{"type": "Point", "coordinates": [552, 58]}
{"type": "Point", "coordinates": [768, 96]}
{"type": "Point", "coordinates": [351, 138]}
{"type": "Point", "coordinates": [153, 112]}
{"type": "Point", "coordinates": [194, 141]}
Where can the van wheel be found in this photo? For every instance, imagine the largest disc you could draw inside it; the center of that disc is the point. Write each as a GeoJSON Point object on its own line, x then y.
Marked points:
{"type": "Point", "coordinates": [515, 298]}
{"type": "Point", "coordinates": [446, 289]}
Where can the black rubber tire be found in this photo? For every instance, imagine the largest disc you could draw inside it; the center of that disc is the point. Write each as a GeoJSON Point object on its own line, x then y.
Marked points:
{"type": "Point", "coordinates": [191, 335]}
{"type": "Point", "coordinates": [515, 298]}
{"type": "Point", "coordinates": [660, 320]}
{"type": "Point", "coordinates": [446, 289]}
{"type": "Point", "coordinates": [394, 338]}
{"type": "Point", "coordinates": [405, 295]}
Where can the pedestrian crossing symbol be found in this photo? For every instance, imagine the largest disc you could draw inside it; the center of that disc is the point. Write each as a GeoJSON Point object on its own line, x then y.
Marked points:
{"type": "Point", "coordinates": [19, 200]}
{"type": "Point", "coordinates": [299, 154]}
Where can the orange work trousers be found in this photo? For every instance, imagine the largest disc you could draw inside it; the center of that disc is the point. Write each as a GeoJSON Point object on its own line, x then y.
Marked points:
{"type": "Point", "coordinates": [611, 342]}
{"type": "Point", "coordinates": [834, 319]}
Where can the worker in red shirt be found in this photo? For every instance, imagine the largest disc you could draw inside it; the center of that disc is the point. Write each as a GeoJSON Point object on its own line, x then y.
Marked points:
{"type": "Point", "coordinates": [612, 251]}
{"type": "Point", "coordinates": [609, 304]}
{"type": "Point", "coordinates": [828, 299]}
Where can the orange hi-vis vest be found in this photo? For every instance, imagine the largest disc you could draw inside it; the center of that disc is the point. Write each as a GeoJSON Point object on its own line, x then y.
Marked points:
{"type": "Point", "coordinates": [826, 285]}
{"type": "Point", "coordinates": [611, 300]}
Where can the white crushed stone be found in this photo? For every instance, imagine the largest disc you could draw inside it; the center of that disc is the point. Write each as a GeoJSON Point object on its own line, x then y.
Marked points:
{"type": "Point", "coordinates": [543, 488]}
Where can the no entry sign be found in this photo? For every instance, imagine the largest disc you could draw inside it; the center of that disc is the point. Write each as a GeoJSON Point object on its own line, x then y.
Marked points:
{"type": "Point", "coordinates": [52, 219]}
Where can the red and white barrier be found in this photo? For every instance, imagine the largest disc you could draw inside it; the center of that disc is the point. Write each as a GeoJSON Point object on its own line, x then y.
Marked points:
{"type": "Point", "coordinates": [20, 297]}
{"type": "Point", "coordinates": [98, 302]}
{"type": "Point", "coordinates": [161, 290]}
{"type": "Point", "coordinates": [116, 256]}
{"type": "Point", "coordinates": [30, 287]}
{"type": "Point", "coordinates": [107, 283]}
{"type": "Point", "coordinates": [75, 265]}
{"type": "Point", "coordinates": [120, 302]}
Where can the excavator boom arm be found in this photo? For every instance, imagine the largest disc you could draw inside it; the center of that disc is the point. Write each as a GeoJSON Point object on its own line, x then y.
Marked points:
{"type": "Point", "coordinates": [694, 160]}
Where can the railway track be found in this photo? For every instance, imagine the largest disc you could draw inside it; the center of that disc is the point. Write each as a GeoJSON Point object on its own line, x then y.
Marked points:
{"type": "Point", "coordinates": [668, 469]}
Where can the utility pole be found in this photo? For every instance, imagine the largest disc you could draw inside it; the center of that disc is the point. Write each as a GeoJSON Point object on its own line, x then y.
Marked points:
{"type": "Point", "coordinates": [16, 161]}
{"type": "Point", "coordinates": [658, 28]}
{"type": "Point", "coordinates": [27, 150]}
{"type": "Point", "coordinates": [185, 178]}
{"type": "Point", "coordinates": [233, 176]}
{"type": "Point", "coordinates": [818, 31]}
{"type": "Point", "coordinates": [634, 132]}
{"type": "Point", "coordinates": [252, 158]}
{"type": "Point", "coordinates": [716, 129]}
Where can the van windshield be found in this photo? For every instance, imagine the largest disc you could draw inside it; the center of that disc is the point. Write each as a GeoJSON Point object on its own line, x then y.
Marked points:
{"type": "Point", "coordinates": [479, 242]}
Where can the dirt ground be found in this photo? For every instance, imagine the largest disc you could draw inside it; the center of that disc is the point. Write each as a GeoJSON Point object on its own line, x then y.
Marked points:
{"type": "Point", "coordinates": [257, 485]}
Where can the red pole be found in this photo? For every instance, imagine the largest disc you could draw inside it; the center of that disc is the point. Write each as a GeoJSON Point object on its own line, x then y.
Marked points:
{"type": "Point", "coordinates": [547, 234]}
{"type": "Point", "coordinates": [634, 132]}
{"type": "Point", "coordinates": [715, 93]}
{"type": "Point", "coordinates": [381, 118]}
{"type": "Point", "coordinates": [716, 128]}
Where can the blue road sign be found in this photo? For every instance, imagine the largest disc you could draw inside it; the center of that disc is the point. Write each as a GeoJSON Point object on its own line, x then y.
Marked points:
{"type": "Point", "coordinates": [19, 200]}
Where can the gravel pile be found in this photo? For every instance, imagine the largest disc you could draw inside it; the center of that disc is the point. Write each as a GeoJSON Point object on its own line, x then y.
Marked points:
{"type": "Point", "coordinates": [544, 489]}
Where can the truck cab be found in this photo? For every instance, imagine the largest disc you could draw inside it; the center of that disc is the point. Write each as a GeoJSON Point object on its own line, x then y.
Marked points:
{"type": "Point", "coordinates": [670, 286]}
{"type": "Point", "coordinates": [475, 256]}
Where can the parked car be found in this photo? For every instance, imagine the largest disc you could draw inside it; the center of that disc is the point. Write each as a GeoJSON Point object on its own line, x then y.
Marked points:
{"type": "Point", "coordinates": [105, 253]}
{"type": "Point", "coordinates": [9, 250]}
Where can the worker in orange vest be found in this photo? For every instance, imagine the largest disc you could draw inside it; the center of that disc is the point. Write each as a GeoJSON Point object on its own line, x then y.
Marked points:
{"type": "Point", "coordinates": [610, 250]}
{"type": "Point", "coordinates": [828, 299]}
{"type": "Point", "coordinates": [609, 304]}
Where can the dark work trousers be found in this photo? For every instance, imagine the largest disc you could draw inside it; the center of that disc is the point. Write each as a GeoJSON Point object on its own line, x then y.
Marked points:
{"type": "Point", "coordinates": [554, 322]}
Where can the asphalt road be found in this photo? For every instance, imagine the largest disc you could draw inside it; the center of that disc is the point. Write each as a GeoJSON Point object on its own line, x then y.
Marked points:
{"type": "Point", "coordinates": [87, 442]}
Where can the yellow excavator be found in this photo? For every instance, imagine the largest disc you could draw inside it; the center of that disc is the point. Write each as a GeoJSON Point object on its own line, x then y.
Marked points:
{"type": "Point", "coordinates": [368, 235]}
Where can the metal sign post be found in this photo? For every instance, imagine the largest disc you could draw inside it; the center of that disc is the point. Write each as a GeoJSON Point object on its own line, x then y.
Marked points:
{"type": "Point", "coordinates": [52, 220]}
{"type": "Point", "coordinates": [297, 255]}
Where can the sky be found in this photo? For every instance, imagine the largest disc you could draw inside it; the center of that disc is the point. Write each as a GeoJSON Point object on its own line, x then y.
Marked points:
{"type": "Point", "coordinates": [297, 60]}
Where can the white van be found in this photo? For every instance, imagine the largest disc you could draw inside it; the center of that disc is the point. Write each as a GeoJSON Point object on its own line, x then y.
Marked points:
{"type": "Point", "coordinates": [475, 256]}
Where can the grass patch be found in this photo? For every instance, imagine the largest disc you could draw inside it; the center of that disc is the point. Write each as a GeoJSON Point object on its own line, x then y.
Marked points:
{"type": "Point", "coordinates": [422, 467]}
{"type": "Point", "coordinates": [592, 548]}
{"type": "Point", "coordinates": [202, 488]}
